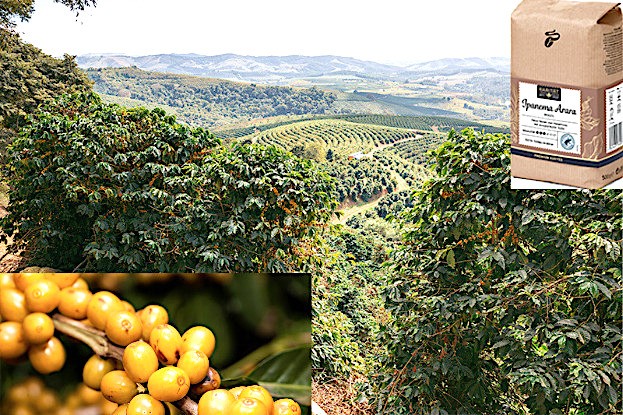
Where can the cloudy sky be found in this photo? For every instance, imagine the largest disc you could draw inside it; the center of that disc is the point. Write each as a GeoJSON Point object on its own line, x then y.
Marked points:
{"type": "Point", "coordinates": [387, 31]}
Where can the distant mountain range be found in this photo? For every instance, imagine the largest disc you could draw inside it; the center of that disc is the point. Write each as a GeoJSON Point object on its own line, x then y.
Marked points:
{"type": "Point", "coordinates": [276, 68]}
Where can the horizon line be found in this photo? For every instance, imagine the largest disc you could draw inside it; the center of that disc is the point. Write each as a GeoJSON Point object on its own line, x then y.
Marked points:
{"type": "Point", "coordinates": [106, 54]}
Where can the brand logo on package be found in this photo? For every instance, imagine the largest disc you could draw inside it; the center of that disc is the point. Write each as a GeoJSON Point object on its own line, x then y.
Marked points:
{"type": "Point", "coordinates": [548, 92]}
{"type": "Point", "coordinates": [567, 142]}
{"type": "Point", "coordinates": [552, 36]}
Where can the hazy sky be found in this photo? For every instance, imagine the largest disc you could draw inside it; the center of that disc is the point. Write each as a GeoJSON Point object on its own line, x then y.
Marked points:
{"type": "Point", "coordinates": [387, 31]}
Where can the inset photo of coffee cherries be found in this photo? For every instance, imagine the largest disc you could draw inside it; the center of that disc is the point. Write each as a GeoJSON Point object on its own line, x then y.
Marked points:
{"type": "Point", "coordinates": [189, 344]}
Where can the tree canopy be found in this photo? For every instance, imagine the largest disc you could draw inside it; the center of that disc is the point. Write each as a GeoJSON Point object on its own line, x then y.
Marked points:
{"type": "Point", "coordinates": [503, 301]}
{"type": "Point", "coordinates": [30, 78]}
{"type": "Point", "coordinates": [116, 189]}
{"type": "Point", "coordinates": [23, 9]}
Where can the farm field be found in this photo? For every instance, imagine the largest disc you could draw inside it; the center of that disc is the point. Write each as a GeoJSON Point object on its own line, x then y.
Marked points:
{"type": "Point", "coordinates": [367, 156]}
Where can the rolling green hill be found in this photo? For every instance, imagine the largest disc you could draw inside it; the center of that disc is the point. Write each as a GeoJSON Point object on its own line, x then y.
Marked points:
{"type": "Point", "coordinates": [421, 123]}
{"type": "Point", "coordinates": [367, 160]}
{"type": "Point", "coordinates": [207, 102]}
{"type": "Point", "coordinates": [342, 137]}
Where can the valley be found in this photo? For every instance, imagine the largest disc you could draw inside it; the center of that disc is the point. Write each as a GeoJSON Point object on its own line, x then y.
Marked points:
{"type": "Point", "coordinates": [368, 125]}
{"type": "Point", "coordinates": [474, 89]}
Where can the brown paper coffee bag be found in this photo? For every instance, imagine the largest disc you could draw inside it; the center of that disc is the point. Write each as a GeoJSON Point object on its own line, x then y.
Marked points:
{"type": "Point", "coordinates": [567, 92]}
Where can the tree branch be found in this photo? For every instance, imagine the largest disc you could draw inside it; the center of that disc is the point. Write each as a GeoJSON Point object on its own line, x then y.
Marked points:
{"type": "Point", "coordinates": [98, 342]}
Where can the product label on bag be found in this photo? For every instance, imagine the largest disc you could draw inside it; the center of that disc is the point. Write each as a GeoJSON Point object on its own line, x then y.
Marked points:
{"type": "Point", "coordinates": [549, 117]}
{"type": "Point", "coordinates": [614, 117]}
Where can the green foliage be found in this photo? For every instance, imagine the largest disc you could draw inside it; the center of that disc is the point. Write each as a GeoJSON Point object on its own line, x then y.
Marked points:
{"type": "Point", "coordinates": [117, 189]}
{"type": "Point", "coordinates": [11, 9]}
{"type": "Point", "coordinates": [209, 102]}
{"type": "Point", "coordinates": [504, 301]}
{"type": "Point", "coordinates": [286, 375]}
{"type": "Point", "coordinates": [29, 78]}
{"type": "Point", "coordinates": [394, 204]}
{"type": "Point", "coordinates": [346, 318]}
{"type": "Point", "coordinates": [367, 245]}
{"type": "Point", "coordinates": [22, 9]}
{"type": "Point", "coordinates": [361, 180]}
{"type": "Point", "coordinates": [312, 151]}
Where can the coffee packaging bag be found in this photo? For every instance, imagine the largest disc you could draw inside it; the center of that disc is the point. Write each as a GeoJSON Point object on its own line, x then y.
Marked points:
{"type": "Point", "coordinates": [567, 92]}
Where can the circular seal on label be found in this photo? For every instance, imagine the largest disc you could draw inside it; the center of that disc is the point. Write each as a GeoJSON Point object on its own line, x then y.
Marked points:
{"type": "Point", "coordinates": [567, 141]}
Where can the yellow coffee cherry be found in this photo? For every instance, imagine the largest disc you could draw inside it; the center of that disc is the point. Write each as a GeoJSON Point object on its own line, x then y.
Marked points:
{"type": "Point", "coordinates": [42, 296]}
{"type": "Point", "coordinates": [199, 338]}
{"type": "Point", "coordinates": [34, 386]}
{"type": "Point", "coordinates": [123, 327]}
{"type": "Point", "coordinates": [196, 364]}
{"type": "Point", "coordinates": [286, 407]}
{"type": "Point", "coordinates": [13, 343]}
{"type": "Point", "coordinates": [259, 393]}
{"type": "Point", "coordinates": [12, 304]}
{"type": "Point", "coordinates": [216, 402]}
{"type": "Point", "coordinates": [140, 361]}
{"type": "Point", "coordinates": [168, 384]}
{"type": "Point", "coordinates": [80, 284]}
{"type": "Point", "coordinates": [248, 406]}
{"type": "Point", "coordinates": [87, 395]}
{"type": "Point", "coordinates": [6, 281]}
{"type": "Point", "coordinates": [152, 316]}
{"type": "Point", "coordinates": [47, 357]}
{"type": "Point", "coordinates": [47, 401]}
{"type": "Point", "coordinates": [236, 391]}
{"type": "Point", "coordinates": [121, 410]}
{"type": "Point", "coordinates": [107, 407]}
{"type": "Point", "coordinates": [117, 387]}
{"type": "Point", "coordinates": [25, 392]}
{"type": "Point", "coordinates": [211, 382]}
{"type": "Point", "coordinates": [145, 404]}
{"type": "Point", "coordinates": [167, 343]}
{"type": "Point", "coordinates": [24, 279]}
{"type": "Point", "coordinates": [62, 279]}
{"type": "Point", "coordinates": [38, 328]}
{"type": "Point", "coordinates": [100, 307]}
{"type": "Point", "coordinates": [73, 302]}
{"type": "Point", "coordinates": [128, 307]}
{"type": "Point", "coordinates": [94, 370]}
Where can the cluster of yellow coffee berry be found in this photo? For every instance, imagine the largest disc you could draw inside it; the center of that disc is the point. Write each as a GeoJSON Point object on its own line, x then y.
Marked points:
{"type": "Point", "coordinates": [158, 365]}
{"type": "Point", "coordinates": [25, 301]}
{"type": "Point", "coordinates": [32, 397]}
{"type": "Point", "coordinates": [247, 400]}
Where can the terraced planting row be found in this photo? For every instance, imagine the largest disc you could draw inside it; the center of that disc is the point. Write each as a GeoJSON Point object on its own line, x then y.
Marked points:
{"type": "Point", "coordinates": [396, 164]}
{"type": "Point", "coordinates": [422, 123]}
{"type": "Point", "coordinates": [342, 137]}
{"type": "Point", "coordinates": [415, 150]}
{"type": "Point", "coordinates": [413, 173]}
{"type": "Point", "coordinates": [425, 123]}
{"type": "Point", "coordinates": [239, 132]}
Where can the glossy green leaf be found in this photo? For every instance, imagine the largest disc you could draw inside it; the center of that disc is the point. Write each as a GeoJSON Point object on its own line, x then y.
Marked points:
{"type": "Point", "coordinates": [287, 374]}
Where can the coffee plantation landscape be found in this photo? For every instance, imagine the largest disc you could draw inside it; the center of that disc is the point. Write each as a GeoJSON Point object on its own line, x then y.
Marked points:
{"type": "Point", "coordinates": [434, 288]}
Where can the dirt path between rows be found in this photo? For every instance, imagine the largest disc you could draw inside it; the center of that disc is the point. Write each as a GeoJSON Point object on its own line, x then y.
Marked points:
{"type": "Point", "coordinates": [8, 262]}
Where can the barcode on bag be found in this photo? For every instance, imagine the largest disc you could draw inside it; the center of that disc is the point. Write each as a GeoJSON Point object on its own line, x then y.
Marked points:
{"type": "Point", "coordinates": [615, 136]}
